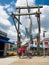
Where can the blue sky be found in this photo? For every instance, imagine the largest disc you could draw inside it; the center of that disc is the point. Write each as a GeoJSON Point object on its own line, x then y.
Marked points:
{"type": "Point", "coordinates": [6, 22]}
{"type": "Point", "coordinates": [45, 2]}
{"type": "Point", "coordinates": [4, 2]}
{"type": "Point", "coordinates": [42, 2]}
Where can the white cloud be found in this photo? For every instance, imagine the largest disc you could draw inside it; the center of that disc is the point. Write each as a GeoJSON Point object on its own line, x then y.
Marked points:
{"type": "Point", "coordinates": [12, 33]}
{"type": "Point", "coordinates": [47, 34]}
{"type": "Point", "coordinates": [4, 23]}
{"type": "Point", "coordinates": [44, 16]}
{"type": "Point", "coordinates": [7, 6]}
{"type": "Point", "coordinates": [6, 26]}
{"type": "Point", "coordinates": [31, 2]}
{"type": "Point", "coordinates": [3, 13]}
{"type": "Point", "coordinates": [23, 2]}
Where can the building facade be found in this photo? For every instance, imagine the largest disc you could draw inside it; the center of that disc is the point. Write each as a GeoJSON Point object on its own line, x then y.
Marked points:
{"type": "Point", "coordinates": [4, 43]}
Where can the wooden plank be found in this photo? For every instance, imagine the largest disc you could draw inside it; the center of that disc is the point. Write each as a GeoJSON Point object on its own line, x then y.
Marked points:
{"type": "Point", "coordinates": [30, 7]}
{"type": "Point", "coordinates": [23, 14]}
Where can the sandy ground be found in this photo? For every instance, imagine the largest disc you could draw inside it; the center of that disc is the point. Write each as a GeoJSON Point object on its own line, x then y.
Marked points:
{"type": "Point", "coordinates": [14, 60]}
{"type": "Point", "coordinates": [33, 61]}
{"type": "Point", "coordinates": [8, 60]}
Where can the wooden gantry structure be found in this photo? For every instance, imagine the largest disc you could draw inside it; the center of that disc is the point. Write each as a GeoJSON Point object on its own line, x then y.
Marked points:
{"type": "Point", "coordinates": [37, 14]}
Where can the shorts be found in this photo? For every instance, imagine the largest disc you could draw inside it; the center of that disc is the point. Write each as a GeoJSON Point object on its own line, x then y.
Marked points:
{"type": "Point", "coordinates": [19, 53]}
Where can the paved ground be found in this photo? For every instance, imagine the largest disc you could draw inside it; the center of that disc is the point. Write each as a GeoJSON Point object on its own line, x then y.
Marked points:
{"type": "Point", "coordinates": [36, 60]}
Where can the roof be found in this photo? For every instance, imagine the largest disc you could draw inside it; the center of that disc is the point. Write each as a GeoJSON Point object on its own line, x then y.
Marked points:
{"type": "Point", "coordinates": [3, 35]}
{"type": "Point", "coordinates": [47, 39]}
{"type": "Point", "coordinates": [5, 41]}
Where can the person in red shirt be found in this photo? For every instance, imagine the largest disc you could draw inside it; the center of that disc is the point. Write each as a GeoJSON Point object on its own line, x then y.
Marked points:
{"type": "Point", "coordinates": [20, 52]}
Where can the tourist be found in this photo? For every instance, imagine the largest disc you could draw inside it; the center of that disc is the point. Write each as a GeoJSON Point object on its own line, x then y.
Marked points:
{"type": "Point", "coordinates": [21, 52]}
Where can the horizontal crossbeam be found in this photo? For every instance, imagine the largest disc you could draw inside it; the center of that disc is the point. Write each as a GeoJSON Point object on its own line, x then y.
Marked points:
{"type": "Point", "coordinates": [22, 14]}
{"type": "Point", "coordinates": [30, 7]}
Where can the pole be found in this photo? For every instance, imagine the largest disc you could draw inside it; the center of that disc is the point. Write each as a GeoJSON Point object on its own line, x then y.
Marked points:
{"type": "Point", "coordinates": [44, 48]}
{"type": "Point", "coordinates": [30, 7]}
{"type": "Point", "coordinates": [23, 14]}
{"type": "Point", "coordinates": [18, 33]}
{"type": "Point", "coordinates": [44, 43]}
{"type": "Point", "coordinates": [38, 36]}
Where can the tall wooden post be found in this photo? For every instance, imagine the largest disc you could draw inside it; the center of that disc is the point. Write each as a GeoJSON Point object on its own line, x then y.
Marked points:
{"type": "Point", "coordinates": [18, 33]}
{"type": "Point", "coordinates": [44, 43]}
{"type": "Point", "coordinates": [38, 36]}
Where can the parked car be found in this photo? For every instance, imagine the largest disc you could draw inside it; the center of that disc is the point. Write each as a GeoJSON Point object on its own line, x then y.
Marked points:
{"type": "Point", "coordinates": [11, 53]}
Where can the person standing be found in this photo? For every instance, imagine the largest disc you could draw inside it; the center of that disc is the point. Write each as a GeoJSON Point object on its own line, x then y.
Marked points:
{"type": "Point", "coordinates": [21, 52]}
